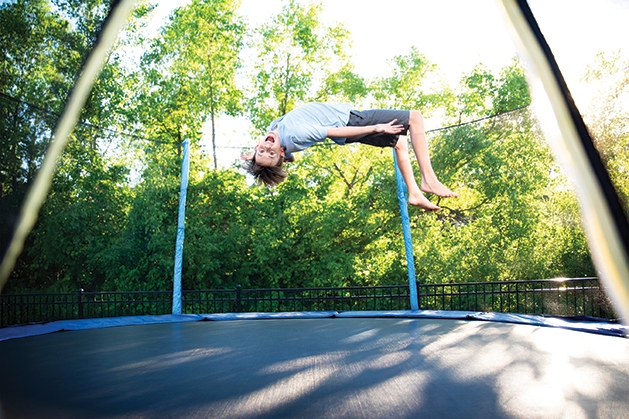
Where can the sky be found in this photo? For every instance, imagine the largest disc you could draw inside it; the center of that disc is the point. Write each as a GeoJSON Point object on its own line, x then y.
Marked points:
{"type": "Point", "coordinates": [456, 35]}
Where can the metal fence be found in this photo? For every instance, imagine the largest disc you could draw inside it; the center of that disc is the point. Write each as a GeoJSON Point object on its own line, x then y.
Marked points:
{"type": "Point", "coordinates": [565, 297]}
{"type": "Point", "coordinates": [560, 297]}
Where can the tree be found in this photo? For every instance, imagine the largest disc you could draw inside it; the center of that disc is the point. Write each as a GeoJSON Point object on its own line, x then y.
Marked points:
{"type": "Point", "coordinates": [509, 222]}
{"type": "Point", "coordinates": [44, 46]}
{"type": "Point", "coordinates": [200, 47]}
{"type": "Point", "coordinates": [146, 250]}
{"type": "Point", "coordinates": [294, 52]}
{"type": "Point", "coordinates": [412, 75]}
{"type": "Point", "coordinates": [477, 90]}
{"type": "Point", "coordinates": [80, 225]}
{"type": "Point", "coordinates": [36, 68]}
{"type": "Point", "coordinates": [335, 222]}
{"type": "Point", "coordinates": [607, 117]}
{"type": "Point", "coordinates": [187, 75]}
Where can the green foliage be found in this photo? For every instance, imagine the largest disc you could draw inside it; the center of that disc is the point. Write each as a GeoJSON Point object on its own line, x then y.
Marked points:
{"type": "Point", "coordinates": [478, 88]}
{"type": "Point", "coordinates": [43, 47]}
{"type": "Point", "coordinates": [294, 51]}
{"type": "Point", "coordinates": [512, 91]}
{"type": "Point", "coordinates": [189, 72]}
{"type": "Point", "coordinates": [79, 225]}
{"type": "Point", "coordinates": [406, 87]}
{"type": "Point", "coordinates": [147, 248]}
{"type": "Point", "coordinates": [607, 118]}
{"type": "Point", "coordinates": [506, 223]}
{"type": "Point", "coordinates": [37, 67]}
{"type": "Point", "coordinates": [342, 86]}
{"type": "Point", "coordinates": [111, 219]}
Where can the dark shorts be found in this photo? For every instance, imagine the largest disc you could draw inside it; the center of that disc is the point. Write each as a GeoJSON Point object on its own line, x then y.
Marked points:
{"type": "Point", "coordinates": [374, 117]}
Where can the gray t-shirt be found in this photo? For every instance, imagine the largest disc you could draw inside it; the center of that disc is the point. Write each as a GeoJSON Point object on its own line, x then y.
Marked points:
{"type": "Point", "coordinates": [308, 124]}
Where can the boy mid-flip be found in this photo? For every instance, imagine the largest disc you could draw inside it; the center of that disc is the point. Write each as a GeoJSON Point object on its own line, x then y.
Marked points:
{"type": "Point", "coordinates": [314, 122]}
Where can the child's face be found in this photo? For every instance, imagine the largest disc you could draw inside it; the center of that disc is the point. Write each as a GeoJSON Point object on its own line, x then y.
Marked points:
{"type": "Point", "coordinates": [269, 151]}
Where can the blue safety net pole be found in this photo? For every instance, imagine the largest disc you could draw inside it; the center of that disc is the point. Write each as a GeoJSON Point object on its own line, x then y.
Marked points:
{"type": "Point", "coordinates": [406, 229]}
{"type": "Point", "coordinates": [185, 169]}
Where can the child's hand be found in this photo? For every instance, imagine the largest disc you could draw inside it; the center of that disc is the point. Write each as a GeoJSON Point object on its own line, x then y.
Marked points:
{"type": "Point", "coordinates": [247, 156]}
{"type": "Point", "coordinates": [389, 128]}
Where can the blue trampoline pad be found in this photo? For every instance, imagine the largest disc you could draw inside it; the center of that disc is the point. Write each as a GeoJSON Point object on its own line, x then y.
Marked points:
{"type": "Point", "coordinates": [316, 368]}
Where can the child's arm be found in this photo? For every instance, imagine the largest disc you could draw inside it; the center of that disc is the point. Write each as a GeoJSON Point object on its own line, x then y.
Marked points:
{"type": "Point", "coordinates": [345, 132]}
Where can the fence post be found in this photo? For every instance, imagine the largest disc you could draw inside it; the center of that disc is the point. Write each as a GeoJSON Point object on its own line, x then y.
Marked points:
{"type": "Point", "coordinates": [80, 303]}
{"type": "Point", "coordinates": [238, 299]}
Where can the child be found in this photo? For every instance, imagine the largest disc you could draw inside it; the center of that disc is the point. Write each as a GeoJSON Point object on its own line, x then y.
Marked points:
{"type": "Point", "coordinates": [314, 122]}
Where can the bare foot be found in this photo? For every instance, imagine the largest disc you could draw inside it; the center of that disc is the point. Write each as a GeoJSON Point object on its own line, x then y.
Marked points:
{"type": "Point", "coordinates": [437, 188]}
{"type": "Point", "coordinates": [419, 200]}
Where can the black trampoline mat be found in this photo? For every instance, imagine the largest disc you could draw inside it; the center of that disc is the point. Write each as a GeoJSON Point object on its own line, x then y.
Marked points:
{"type": "Point", "coordinates": [316, 368]}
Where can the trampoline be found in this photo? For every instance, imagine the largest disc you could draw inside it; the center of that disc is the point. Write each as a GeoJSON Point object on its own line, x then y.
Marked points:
{"type": "Point", "coordinates": [335, 367]}
{"type": "Point", "coordinates": [338, 365]}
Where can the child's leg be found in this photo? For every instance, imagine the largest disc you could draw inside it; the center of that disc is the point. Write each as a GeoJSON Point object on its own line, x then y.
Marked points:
{"type": "Point", "coordinates": [430, 183]}
{"type": "Point", "coordinates": [415, 195]}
